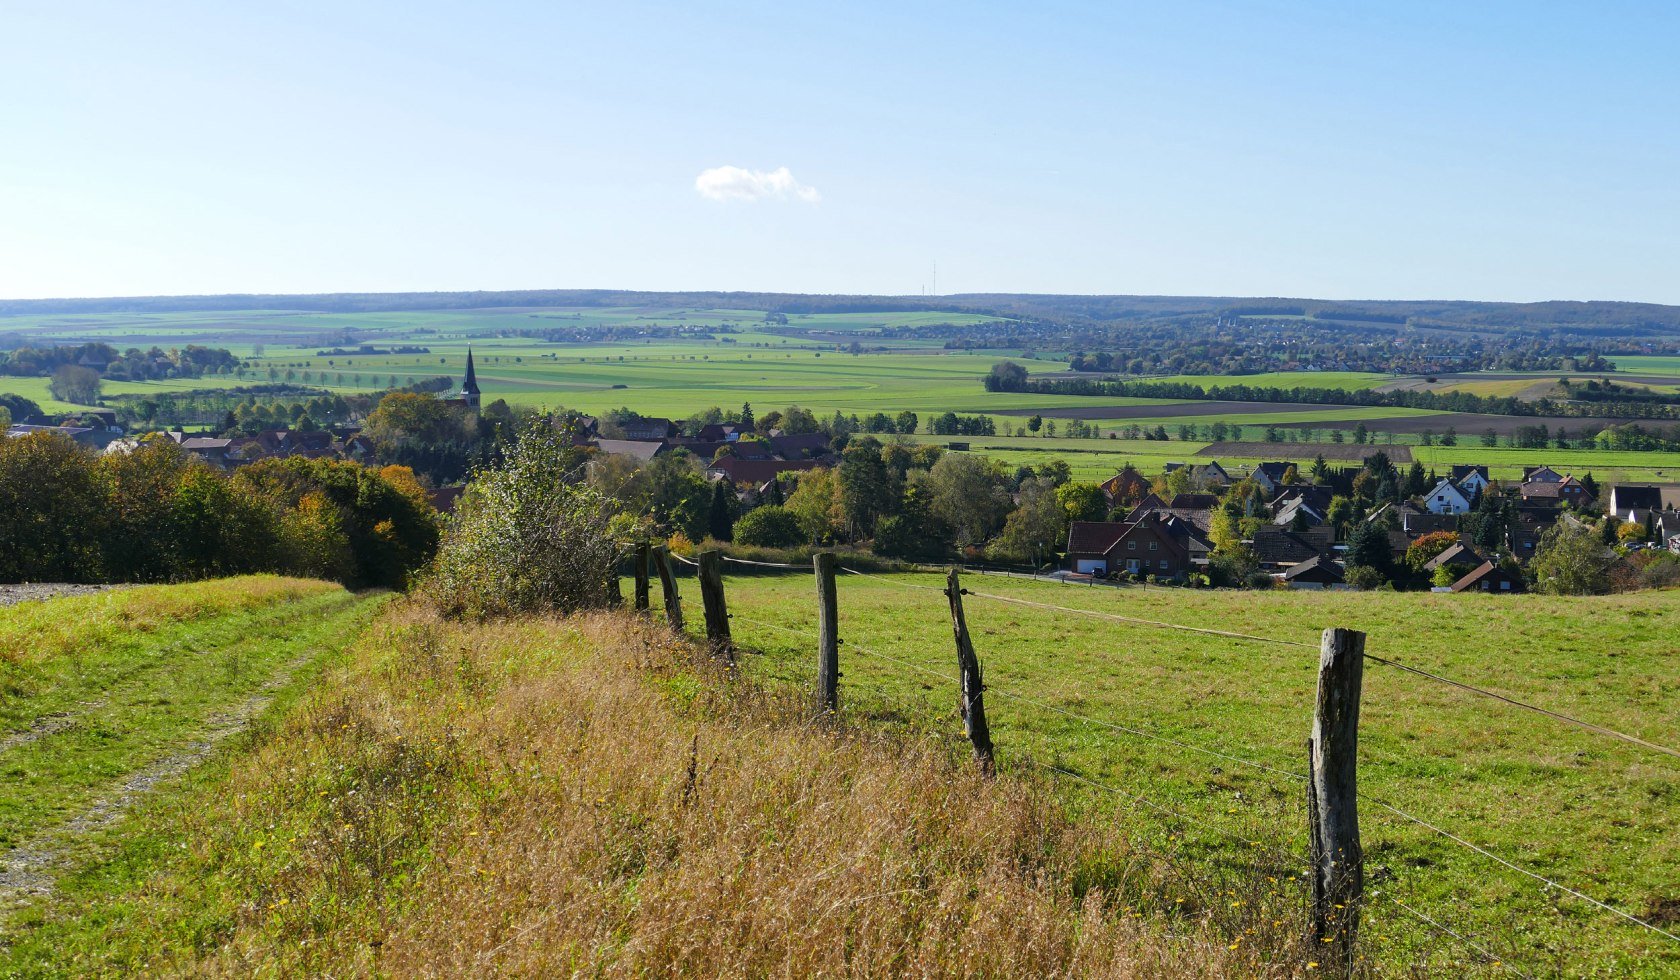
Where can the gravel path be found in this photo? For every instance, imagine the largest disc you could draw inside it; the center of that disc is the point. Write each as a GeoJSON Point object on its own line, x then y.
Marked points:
{"type": "Point", "coordinates": [36, 591]}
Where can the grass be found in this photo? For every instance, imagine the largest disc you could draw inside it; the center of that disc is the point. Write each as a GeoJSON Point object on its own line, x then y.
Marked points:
{"type": "Point", "coordinates": [1594, 813]}
{"type": "Point", "coordinates": [153, 669]}
{"type": "Point", "coordinates": [588, 797]}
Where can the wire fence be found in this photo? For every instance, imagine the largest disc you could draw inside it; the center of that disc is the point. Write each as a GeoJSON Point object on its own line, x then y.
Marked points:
{"type": "Point", "coordinates": [1132, 731]}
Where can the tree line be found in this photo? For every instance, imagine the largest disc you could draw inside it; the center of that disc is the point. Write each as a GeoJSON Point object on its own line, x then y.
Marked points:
{"type": "Point", "coordinates": [156, 514]}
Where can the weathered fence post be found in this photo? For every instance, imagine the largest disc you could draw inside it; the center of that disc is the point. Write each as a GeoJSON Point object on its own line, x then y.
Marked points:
{"type": "Point", "coordinates": [1332, 795]}
{"type": "Point", "coordinates": [973, 695]}
{"type": "Point", "coordinates": [828, 632]}
{"type": "Point", "coordinates": [615, 589]}
{"type": "Point", "coordinates": [717, 611]}
{"type": "Point", "coordinates": [668, 585]}
{"type": "Point", "coordinates": [642, 558]}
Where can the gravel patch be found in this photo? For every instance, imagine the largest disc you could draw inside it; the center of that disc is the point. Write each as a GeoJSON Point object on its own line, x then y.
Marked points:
{"type": "Point", "coordinates": [11, 595]}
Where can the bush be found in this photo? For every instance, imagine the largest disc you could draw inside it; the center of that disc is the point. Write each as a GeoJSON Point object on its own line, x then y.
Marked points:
{"type": "Point", "coordinates": [528, 538]}
{"type": "Point", "coordinates": [1261, 581]}
{"type": "Point", "coordinates": [769, 526]}
{"type": "Point", "coordinates": [1363, 577]}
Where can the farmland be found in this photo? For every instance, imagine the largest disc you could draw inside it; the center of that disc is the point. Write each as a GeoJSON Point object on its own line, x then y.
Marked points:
{"type": "Point", "coordinates": [1588, 811]}
{"type": "Point", "coordinates": [692, 360]}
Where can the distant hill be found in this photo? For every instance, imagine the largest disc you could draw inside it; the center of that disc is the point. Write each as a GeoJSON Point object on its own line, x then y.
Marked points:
{"type": "Point", "coordinates": [1597, 318]}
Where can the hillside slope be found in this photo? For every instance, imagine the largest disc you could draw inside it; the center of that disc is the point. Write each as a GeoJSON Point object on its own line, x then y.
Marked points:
{"type": "Point", "coordinates": [587, 796]}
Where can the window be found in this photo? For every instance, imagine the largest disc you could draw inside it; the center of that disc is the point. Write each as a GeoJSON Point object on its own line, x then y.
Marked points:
{"type": "Point", "coordinates": [1154, 546]}
{"type": "Point", "coordinates": [1163, 564]}
{"type": "Point", "coordinates": [1505, 586]}
{"type": "Point", "coordinates": [1131, 546]}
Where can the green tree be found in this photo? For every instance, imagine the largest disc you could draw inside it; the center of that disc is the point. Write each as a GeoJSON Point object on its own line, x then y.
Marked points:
{"type": "Point", "coordinates": [905, 422]}
{"type": "Point", "coordinates": [970, 493]}
{"type": "Point", "coordinates": [1035, 530]}
{"type": "Point", "coordinates": [915, 532]}
{"type": "Point", "coordinates": [1569, 560]}
{"type": "Point", "coordinates": [720, 518]}
{"type": "Point", "coordinates": [74, 383]}
{"type": "Point", "coordinates": [769, 526]}
{"type": "Point", "coordinates": [1082, 501]}
{"type": "Point", "coordinates": [867, 488]}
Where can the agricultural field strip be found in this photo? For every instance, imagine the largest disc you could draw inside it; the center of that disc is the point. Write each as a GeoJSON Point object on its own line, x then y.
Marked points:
{"type": "Point", "coordinates": [1376, 800]}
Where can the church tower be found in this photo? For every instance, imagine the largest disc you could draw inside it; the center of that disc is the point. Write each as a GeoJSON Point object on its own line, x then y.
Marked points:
{"type": "Point", "coordinates": [469, 384]}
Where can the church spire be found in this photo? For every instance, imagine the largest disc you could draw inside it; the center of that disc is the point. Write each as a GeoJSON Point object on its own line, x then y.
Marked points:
{"type": "Point", "coordinates": [470, 385]}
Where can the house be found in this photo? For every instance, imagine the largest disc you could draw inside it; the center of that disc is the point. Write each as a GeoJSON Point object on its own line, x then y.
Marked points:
{"type": "Point", "coordinates": [1541, 474]}
{"type": "Point", "coordinates": [1317, 572]}
{"type": "Point", "coordinates": [1280, 548]}
{"type": "Point", "coordinates": [1470, 478]}
{"type": "Point", "coordinates": [809, 445]}
{"type": "Point", "coordinates": [1088, 544]}
{"type": "Point", "coordinates": [1447, 498]}
{"type": "Point", "coordinates": [1625, 498]}
{"type": "Point", "coordinates": [1458, 554]}
{"type": "Point", "coordinates": [1270, 475]}
{"type": "Point", "coordinates": [755, 472]}
{"type": "Point", "coordinates": [643, 450]}
{"type": "Point", "coordinates": [212, 451]}
{"type": "Point", "coordinates": [1489, 577]}
{"type": "Point", "coordinates": [1194, 501]}
{"type": "Point", "coordinates": [1203, 474]}
{"type": "Point", "coordinates": [715, 432]}
{"type": "Point", "coordinates": [1298, 509]}
{"type": "Point", "coordinates": [648, 430]}
{"type": "Point", "coordinates": [1566, 492]}
{"type": "Point", "coordinates": [1154, 545]}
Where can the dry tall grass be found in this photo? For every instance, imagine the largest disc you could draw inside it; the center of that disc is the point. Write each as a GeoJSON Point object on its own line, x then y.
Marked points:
{"type": "Point", "coordinates": [589, 797]}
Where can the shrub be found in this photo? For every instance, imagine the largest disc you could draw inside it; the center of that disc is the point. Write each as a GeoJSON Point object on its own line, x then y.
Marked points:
{"type": "Point", "coordinates": [1261, 581]}
{"type": "Point", "coordinates": [769, 526]}
{"type": "Point", "coordinates": [529, 537]}
{"type": "Point", "coordinates": [1363, 577]}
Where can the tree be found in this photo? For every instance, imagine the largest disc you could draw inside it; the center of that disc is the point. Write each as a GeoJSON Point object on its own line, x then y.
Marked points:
{"type": "Point", "coordinates": [720, 518]}
{"type": "Point", "coordinates": [1082, 501]}
{"type": "Point", "coordinates": [1417, 484]}
{"type": "Point", "coordinates": [1450, 437]}
{"type": "Point", "coordinates": [1035, 423]}
{"type": "Point", "coordinates": [1569, 561]}
{"type": "Point", "coordinates": [969, 493]}
{"type": "Point", "coordinates": [769, 526]}
{"type": "Point", "coordinates": [867, 488]}
{"type": "Point", "coordinates": [1034, 531]}
{"type": "Point", "coordinates": [74, 383]}
{"type": "Point", "coordinates": [51, 511]}
{"type": "Point", "coordinates": [1361, 434]}
{"type": "Point", "coordinates": [1006, 376]}
{"type": "Point", "coordinates": [905, 422]}
{"type": "Point", "coordinates": [915, 532]}
{"type": "Point", "coordinates": [1341, 514]}
{"type": "Point", "coordinates": [1424, 549]}
{"type": "Point", "coordinates": [816, 502]}
{"type": "Point", "coordinates": [1368, 547]}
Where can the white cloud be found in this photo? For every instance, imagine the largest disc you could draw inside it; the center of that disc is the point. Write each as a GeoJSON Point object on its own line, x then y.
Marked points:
{"type": "Point", "coordinates": [739, 184]}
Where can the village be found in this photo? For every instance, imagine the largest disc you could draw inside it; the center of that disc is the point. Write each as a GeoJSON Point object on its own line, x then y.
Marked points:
{"type": "Point", "coordinates": [1274, 524]}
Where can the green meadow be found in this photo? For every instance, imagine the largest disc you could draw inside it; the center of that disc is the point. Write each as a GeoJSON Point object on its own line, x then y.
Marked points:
{"type": "Point", "coordinates": [1591, 812]}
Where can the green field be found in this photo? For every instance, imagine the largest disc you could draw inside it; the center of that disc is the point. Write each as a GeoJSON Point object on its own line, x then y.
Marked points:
{"type": "Point", "coordinates": [805, 363]}
{"type": "Point", "coordinates": [1591, 812]}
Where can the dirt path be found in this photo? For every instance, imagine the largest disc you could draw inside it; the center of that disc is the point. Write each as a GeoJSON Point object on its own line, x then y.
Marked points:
{"type": "Point", "coordinates": [37, 591]}
{"type": "Point", "coordinates": [133, 715]}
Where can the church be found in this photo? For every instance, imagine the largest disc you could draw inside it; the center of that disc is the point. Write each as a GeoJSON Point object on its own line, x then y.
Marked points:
{"type": "Point", "coordinates": [468, 396]}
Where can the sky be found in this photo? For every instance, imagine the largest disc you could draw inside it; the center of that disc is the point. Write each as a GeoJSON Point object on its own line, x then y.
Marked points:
{"type": "Point", "coordinates": [1425, 150]}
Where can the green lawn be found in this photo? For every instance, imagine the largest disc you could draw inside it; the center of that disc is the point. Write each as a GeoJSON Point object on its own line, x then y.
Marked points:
{"type": "Point", "coordinates": [1592, 812]}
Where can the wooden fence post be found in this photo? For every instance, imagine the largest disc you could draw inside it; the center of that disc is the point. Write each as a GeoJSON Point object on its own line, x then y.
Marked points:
{"type": "Point", "coordinates": [717, 611]}
{"type": "Point", "coordinates": [828, 632]}
{"type": "Point", "coordinates": [1332, 796]}
{"type": "Point", "coordinates": [615, 588]}
{"type": "Point", "coordinates": [973, 701]}
{"type": "Point", "coordinates": [668, 585]}
{"type": "Point", "coordinates": [642, 558]}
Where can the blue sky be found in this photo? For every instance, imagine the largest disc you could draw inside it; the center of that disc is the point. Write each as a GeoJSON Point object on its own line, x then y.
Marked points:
{"type": "Point", "coordinates": [1420, 150]}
